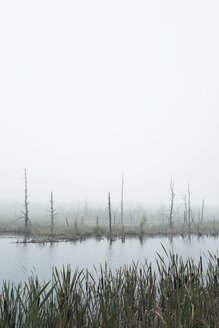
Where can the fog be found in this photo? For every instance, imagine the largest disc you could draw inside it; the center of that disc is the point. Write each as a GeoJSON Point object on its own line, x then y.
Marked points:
{"type": "Point", "coordinates": [91, 89]}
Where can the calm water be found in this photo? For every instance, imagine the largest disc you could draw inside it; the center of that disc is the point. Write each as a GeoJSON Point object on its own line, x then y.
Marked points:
{"type": "Point", "coordinates": [19, 260]}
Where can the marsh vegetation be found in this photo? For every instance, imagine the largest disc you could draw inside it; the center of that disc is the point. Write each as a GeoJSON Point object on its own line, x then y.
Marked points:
{"type": "Point", "coordinates": [180, 294]}
{"type": "Point", "coordinates": [111, 220]}
{"type": "Point", "coordinates": [54, 220]}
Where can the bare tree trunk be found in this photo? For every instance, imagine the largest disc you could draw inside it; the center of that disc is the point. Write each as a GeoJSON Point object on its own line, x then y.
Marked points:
{"type": "Point", "coordinates": [122, 191]}
{"type": "Point", "coordinates": [52, 213]}
{"type": "Point", "coordinates": [172, 195]}
{"type": "Point", "coordinates": [25, 212]}
{"type": "Point", "coordinates": [188, 215]}
{"type": "Point", "coordinates": [110, 217]}
{"type": "Point", "coordinates": [26, 205]}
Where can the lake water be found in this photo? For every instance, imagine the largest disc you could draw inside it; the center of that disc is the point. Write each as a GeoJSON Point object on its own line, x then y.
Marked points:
{"type": "Point", "coordinates": [19, 260]}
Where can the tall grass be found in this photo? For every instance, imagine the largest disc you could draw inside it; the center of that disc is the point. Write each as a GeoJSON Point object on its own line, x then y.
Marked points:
{"type": "Point", "coordinates": [77, 229]}
{"type": "Point", "coordinates": [180, 294]}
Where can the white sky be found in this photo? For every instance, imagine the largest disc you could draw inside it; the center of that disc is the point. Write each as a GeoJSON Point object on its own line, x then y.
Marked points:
{"type": "Point", "coordinates": [89, 89]}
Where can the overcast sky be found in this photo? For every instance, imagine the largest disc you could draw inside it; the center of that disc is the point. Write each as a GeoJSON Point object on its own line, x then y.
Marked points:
{"type": "Point", "coordinates": [89, 89]}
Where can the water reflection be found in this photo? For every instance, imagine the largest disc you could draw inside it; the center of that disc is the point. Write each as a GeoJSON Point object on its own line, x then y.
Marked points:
{"type": "Point", "coordinates": [19, 260]}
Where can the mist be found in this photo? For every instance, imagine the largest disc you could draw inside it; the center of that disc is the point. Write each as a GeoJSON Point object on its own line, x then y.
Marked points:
{"type": "Point", "coordinates": [91, 89]}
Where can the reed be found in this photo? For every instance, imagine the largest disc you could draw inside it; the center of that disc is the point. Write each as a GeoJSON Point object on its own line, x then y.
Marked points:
{"type": "Point", "coordinates": [176, 294]}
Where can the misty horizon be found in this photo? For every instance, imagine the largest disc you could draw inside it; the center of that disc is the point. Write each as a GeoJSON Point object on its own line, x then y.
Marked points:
{"type": "Point", "coordinates": [93, 89]}
{"type": "Point", "coordinates": [116, 197]}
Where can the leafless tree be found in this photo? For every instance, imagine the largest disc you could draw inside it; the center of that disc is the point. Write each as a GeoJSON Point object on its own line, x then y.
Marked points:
{"type": "Point", "coordinates": [189, 216]}
{"type": "Point", "coordinates": [172, 196]}
{"type": "Point", "coordinates": [25, 212]}
{"type": "Point", "coordinates": [110, 217]}
{"type": "Point", "coordinates": [52, 212]}
{"type": "Point", "coordinates": [170, 211]}
{"type": "Point", "coordinates": [122, 192]}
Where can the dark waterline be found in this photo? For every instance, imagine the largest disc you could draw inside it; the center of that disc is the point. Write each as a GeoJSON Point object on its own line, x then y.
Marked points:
{"type": "Point", "coordinates": [17, 261]}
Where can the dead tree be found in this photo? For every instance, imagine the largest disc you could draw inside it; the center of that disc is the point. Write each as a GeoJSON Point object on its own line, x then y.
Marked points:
{"type": "Point", "coordinates": [170, 211]}
{"type": "Point", "coordinates": [110, 217]}
{"type": "Point", "coordinates": [188, 213]}
{"type": "Point", "coordinates": [25, 213]}
{"type": "Point", "coordinates": [26, 203]}
{"type": "Point", "coordinates": [172, 195]}
{"type": "Point", "coordinates": [122, 192]}
{"type": "Point", "coordinates": [53, 213]}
